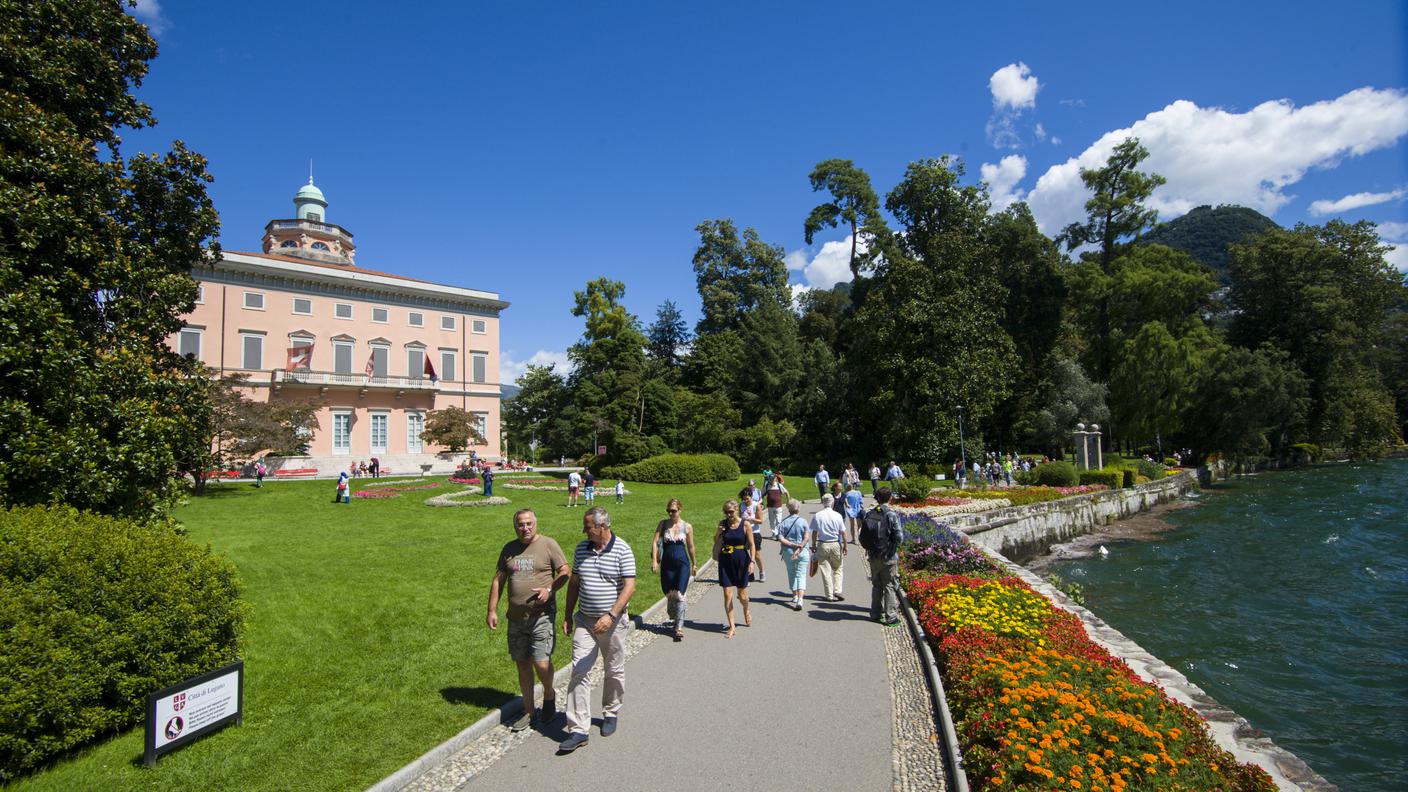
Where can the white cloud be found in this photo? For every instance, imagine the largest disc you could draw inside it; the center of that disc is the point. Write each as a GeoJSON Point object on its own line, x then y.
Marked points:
{"type": "Point", "coordinates": [1040, 131]}
{"type": "Point", "coordinates": [510, 370]}
{"type": "Point", "coordinates": [1002, 180]}
{"type": "Point", "coordinates": [1393, 232]}
{"type": "Point", "coordinates": [1014, 90]}
{"type": "Point", "coordinates": [1013, 86]}
{"type": "Point", "coordinates": [1355, 201]}
{"type": "Point", "coordinates": [1398, 257]}
{"type": "Point", "coordinates": [149, 12]}
{"type": "Point", "coordinates": [830, 266]}
{"type": "Point", "coordinates": [1212, 156]}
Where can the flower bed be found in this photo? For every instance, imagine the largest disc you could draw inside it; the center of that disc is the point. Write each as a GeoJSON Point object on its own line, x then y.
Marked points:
{"type": "Point", "coordinates": [460, 480]}
{"type": "Point", "coordinates": [1038, 705]}
{"type": "Point", "coordinates": [376, 493]}
{"type": "Point", "coordinates": [462, 498]}
{"type": "Point", "coordinates": [401, 486]}
{"type": "Point", "coordinates": [1025, 496]}
{"type": "Point", "coordinates": [942, 507]}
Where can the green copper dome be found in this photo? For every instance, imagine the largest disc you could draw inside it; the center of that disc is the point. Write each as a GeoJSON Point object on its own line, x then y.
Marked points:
{"type": "Point", "coordinates": [310, 194]}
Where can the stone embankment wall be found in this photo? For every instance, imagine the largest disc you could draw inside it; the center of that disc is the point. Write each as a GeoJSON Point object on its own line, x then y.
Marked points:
{"type": "Point", "coordinates": [1022, 533]}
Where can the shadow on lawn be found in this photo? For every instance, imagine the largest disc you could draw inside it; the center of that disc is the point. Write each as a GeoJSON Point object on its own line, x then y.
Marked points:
{"type": "Point", "coordinates": [486, 697]}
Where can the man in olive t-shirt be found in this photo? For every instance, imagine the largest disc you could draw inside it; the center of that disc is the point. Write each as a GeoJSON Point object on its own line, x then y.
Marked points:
{"type": "Point", "coordinates": [534, 568]}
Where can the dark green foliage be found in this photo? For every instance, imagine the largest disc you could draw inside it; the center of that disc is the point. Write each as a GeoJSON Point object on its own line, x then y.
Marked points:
{"type": "Point", "coordinates": [1055, 474]}
{"type": "Point", "coordinates": [1207, 234]}
{"type": "Point", "coordinates": [529, 418]}
{"type": "Point", "coordinates": [95, 258]}
{"type": "Point", "coordinates": [95, 613]}
{"type": "Point", "coordinates": [1250, 403]}
{"type": "Point", "coordinates": [1112, 478]}
{"type": "Point", "coordinates": [668, 336]}
{"type": "Point", "coordinates": [676, 469]}
{"type": "Point", "coordinates": [453, 427]}
{"type": "Point", "coordinates": [1310, 452]}
{"type": "Point", "coordinates": [1067, 396]}
{"type": "Point", "coordinates": [1149, 469]}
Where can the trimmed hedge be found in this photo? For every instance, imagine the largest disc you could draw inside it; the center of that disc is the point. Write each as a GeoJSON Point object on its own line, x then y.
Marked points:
{"type": "Point", "coordinates": [677, 469]}
{"type": "Point", "coordinates": [95, 614]}
{"type": "Point", "coordinates": [1112, 478]}
{"type": "Point", "coordinates": [1055, 474]}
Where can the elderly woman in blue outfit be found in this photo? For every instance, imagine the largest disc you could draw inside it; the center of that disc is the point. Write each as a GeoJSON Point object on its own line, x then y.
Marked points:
{"type": "Point", "coordinates": [795, 536]}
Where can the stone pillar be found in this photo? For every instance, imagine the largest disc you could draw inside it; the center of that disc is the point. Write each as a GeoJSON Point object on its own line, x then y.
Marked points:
{"type": "Point", "coordinates": [1082, 448]}
{"type": "Point", "coordinates": [1094, 436]}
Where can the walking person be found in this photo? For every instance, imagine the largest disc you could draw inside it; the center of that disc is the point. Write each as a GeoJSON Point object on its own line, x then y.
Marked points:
{"type": "Point", "coordinates": [672, 555]}
{"type": "Point", "coordinates": [735, 552]}
{"type": "Point", "coordinates": [796, 540]}
{"type": "Point", "coordinates": [532, 567]}
{"type": "Point", "coordinates": [874, 478]}
{"type": "Point", "coordinates": [881, 537]}
{"type": "Point", "coordinates": [855, 504]}
{"type": "Point", "coordinates": [588, 487]}
{"type": "Point", "coordinates": [774, 500]}
{"type": "Point", "coordinates": [753, 522]}
{"type": "Point", "coordinates": [603, 580]}
{"type": "Point", "coordinates": [259, 472]}
{"type": "Point", "coordinates": [344, 490]}
{"type": "Point", "coordinates": [829, 549]}
{"type": "Point", "coordinates": [574, 484]}
{"type": "Point", "coordinates": [823, 481]}
{"type": "Point", "coordinates": [620, 491]}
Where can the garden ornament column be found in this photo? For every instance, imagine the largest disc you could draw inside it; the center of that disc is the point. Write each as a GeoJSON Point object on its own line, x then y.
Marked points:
{"type": "Point", "coordinates": [1094, 436]}
{"type": "Point", "coordinates": [1078, 438]}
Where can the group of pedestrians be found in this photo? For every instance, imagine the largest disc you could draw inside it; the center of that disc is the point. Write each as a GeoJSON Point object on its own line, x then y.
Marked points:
{"type": "Point", "coordinates": [584, 482]}
{"type": "Point", "coordinates": [602, 579]}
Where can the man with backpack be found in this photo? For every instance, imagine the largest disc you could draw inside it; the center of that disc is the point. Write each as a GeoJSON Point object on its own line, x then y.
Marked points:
{"type": "Point", "coordinates": [881, 536]}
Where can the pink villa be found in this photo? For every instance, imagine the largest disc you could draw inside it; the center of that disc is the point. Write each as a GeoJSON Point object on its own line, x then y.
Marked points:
{"type": "Point", "coordinates": [385, 349]}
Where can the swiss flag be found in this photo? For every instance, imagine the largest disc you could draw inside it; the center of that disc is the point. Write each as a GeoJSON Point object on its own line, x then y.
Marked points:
{"type": "Point", "coordinates": [299, 357]}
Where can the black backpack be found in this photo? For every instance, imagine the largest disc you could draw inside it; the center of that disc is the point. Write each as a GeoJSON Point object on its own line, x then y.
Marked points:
{"type": "Point", "coordinates": [875, 533]}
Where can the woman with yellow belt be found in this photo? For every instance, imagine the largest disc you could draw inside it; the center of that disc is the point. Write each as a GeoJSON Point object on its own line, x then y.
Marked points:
{"type": "Point", "coordinates": [735, 552]}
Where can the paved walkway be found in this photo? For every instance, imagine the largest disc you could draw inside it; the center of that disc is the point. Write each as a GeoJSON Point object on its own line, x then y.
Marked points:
{"type": "Point", "coordinates": [799, 701]}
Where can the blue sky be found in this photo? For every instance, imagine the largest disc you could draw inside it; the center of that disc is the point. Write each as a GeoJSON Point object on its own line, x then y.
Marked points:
{"type": "Point", "coordinates": [529, 147]}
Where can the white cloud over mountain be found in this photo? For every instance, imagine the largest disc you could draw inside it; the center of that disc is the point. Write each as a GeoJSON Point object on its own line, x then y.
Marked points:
{"type": "Point", "coordinates": [1355, 201]}
{"type": "Point", "coordinates": [1214, 156]}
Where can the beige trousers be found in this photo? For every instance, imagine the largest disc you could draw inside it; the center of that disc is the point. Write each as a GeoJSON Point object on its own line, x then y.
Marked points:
{"type": "Point", "coordinates": [828, 566]}
{"type": "Point", "coordinates": [587, 646]}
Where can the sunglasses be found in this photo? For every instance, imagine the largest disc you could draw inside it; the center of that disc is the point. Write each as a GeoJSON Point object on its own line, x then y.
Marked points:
{"type": "Point", "coordinates": [672, 511]}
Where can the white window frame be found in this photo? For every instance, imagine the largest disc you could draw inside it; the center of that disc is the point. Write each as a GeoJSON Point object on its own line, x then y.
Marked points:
{"type": "Point", "coordinates": [479, 327]}
{"type": "Point", "coordinates": [384, 418]}
{"type": "Point", "coordinates": [448, 323]}
{"type": "Point", "coordinates": [245, 336]}
{"type": "Point", "coordinates": [415, 424]}
{"type": "Point", "coordinates": [200, 294]}
{"type": "Point", "coordinates": [199, 333]}
{"type": "Point", "coordinates": [481, 422]}
{"type": "Point", "coordinates": [249, 307]}
{"type": "Point", "coordinates": [308, 312]}
{"type": "Point", "coordinates": [346, 449]}
{"type": "Point", "coordinates": [351, 312]}
{"type": "Point", "coordinates": [385, 315]}
{"type": "Point", "coordinates": [448, 373]}
{"type": "Point", "coordinates": [415, 319]}
{"type": "Point", "coordinates": [474, 358]}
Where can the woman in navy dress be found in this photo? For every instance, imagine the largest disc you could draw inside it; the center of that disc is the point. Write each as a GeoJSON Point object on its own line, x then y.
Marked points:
{"type": "Point", "coordinates": [672, 555]}
{"type": "Point", "coordinates": [733, 546]}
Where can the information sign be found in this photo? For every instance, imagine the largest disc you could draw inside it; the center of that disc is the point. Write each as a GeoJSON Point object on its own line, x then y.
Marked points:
{"type": "Point", "coordinates": [192, 709]}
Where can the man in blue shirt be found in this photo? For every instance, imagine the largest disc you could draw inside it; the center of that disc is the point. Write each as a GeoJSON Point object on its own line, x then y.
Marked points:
{"type": "Point", "coordinates": [823, 481]}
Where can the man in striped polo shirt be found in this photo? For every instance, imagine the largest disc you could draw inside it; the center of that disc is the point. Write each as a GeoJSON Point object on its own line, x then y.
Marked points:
{"type": "Point", "coordinates": [603, 580]}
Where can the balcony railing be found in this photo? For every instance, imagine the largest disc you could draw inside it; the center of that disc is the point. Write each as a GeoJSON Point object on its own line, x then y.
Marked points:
{"type": "Point", "coordinates": [332, 379]}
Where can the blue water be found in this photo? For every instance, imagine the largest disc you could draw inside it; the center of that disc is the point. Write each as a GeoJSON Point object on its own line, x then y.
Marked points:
{"type": "Point", "coordinates": [1284, 596]}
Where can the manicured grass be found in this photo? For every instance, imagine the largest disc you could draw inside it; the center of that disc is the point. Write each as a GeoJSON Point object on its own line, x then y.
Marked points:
{"type": "Point", "coordinates": [367, 645]}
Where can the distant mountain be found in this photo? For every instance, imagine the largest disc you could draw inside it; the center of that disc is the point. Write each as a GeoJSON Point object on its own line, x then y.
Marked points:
{"type": "Point", "coordinates": [507, 392]}
{"type": "Point", "coordinates": [1205, 233]}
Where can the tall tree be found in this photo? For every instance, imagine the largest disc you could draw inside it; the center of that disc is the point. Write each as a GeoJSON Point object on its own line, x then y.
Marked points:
{"type": "Point", "coordinates": [853, 203]}
{"type": "Point", "coordinates": [735, 275]}
{"type": "Point", "coordinates": [95, 260]}
{"type": "Point", "coordinates": [1250, 403]}
{"type": "Point", "coordinates": [1155, 381]}
{"type": "Point", "coordinates": [1115, 213]}
{"type": "Point", "coordinates": [668, 336]}
{"type": "Point", "coordinates": [608, 378]}
{"type": "Point", "coordinates": [529, 417]}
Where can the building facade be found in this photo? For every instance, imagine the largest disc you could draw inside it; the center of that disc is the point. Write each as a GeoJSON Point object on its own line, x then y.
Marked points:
{"type": "Point", "coordinates": [377, 352]}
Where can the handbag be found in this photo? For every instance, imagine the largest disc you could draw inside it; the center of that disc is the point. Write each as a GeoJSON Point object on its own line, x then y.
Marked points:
{"type": "Point", "coordinates": [811, 571]}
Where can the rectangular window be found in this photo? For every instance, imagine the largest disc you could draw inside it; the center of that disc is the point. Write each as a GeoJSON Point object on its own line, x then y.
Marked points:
{"type": "Point", "coordinates": [447, 365]}
{"type": "Point", "coordinates": [480, 363]}
{"type": "Point", "coordinates": [342, 310]}
{"type": "Point", "coordinates": [415, 363]}
{"type": "Point", "coordinates": [415, 319]}
{"type": "Point", "coordinates": [302, 306]}
{"type": "Point", "coordinates": [342, 357]}
{"type": "Point", "coordinates": [379, 424]}
{"type": "Point", "coordinates": [478, 326]}
{"type": "Point", "coordinates": [380, 356]}
{"type": "Point", "coordinates": [342, 433]}
{"type": "Point", "coordinates": [253, 346]}
{"type": "Point", "coordinates": [381, 315]}
{"type": "Point", "coordinates": [447, 323]}
{"type": "Point", "coordinates": [415, 424]}
{"type": "Point", "coordinates": [189, 344]}
{"type": "Point", "coordinates": [481, 423]}
{"type": "Point", "coordinates": [254, 301]}
{"type": "Point", "coordinates": [200, 292]}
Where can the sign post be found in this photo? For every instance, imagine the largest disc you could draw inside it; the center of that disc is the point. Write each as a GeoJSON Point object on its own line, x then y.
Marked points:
{"type": "Point", "coordinates": [187, 711]}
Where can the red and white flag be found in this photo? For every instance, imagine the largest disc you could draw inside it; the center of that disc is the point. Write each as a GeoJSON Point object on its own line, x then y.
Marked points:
{"type": "Point", "coordinates": [371, 365]}
{"type": "Point", "coordinates": [430, 370]}
{"type": "Point", "coordinates": [300, 357]}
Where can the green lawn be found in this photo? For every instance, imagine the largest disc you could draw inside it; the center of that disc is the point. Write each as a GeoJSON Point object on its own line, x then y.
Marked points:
{"type": "Point", "coordinates": [366, 646]}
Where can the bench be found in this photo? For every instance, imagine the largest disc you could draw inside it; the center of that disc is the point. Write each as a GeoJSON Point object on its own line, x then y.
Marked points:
{"type": "Point", "coordinates": [296, 472]}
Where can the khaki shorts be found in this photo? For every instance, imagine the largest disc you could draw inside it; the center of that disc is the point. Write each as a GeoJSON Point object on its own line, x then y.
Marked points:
{"type": "Point", "coordinates": [532, 638]}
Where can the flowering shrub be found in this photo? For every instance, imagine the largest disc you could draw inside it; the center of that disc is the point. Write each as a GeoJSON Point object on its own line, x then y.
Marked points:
{"type": "Point", "coordinates": [1025, 496]}
{"type": "Point", "coordinates": [465, 480]}
{"type": "Point", "coordinates": [930, 544]}
{"type": "Point", "coordinates": [1041, 706]}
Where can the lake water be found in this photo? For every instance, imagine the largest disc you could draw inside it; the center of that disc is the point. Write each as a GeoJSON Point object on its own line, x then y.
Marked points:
{"type": "Point", "coordinates": [1284, 596]}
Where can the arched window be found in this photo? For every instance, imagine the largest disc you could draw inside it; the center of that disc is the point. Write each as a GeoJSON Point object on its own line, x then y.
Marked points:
{"type": "Point", "coordinates": [319, 246]}
{"type": "Point", "coordinates": [288, 243]}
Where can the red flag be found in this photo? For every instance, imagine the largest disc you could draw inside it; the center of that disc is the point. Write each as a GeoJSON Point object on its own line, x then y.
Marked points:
{"type": "Point", "coordinates": [371, 365]}
{"type": "Point", "coordinates": [300, 357]}
{"type": "Point", "coordinates": [430, 370]}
